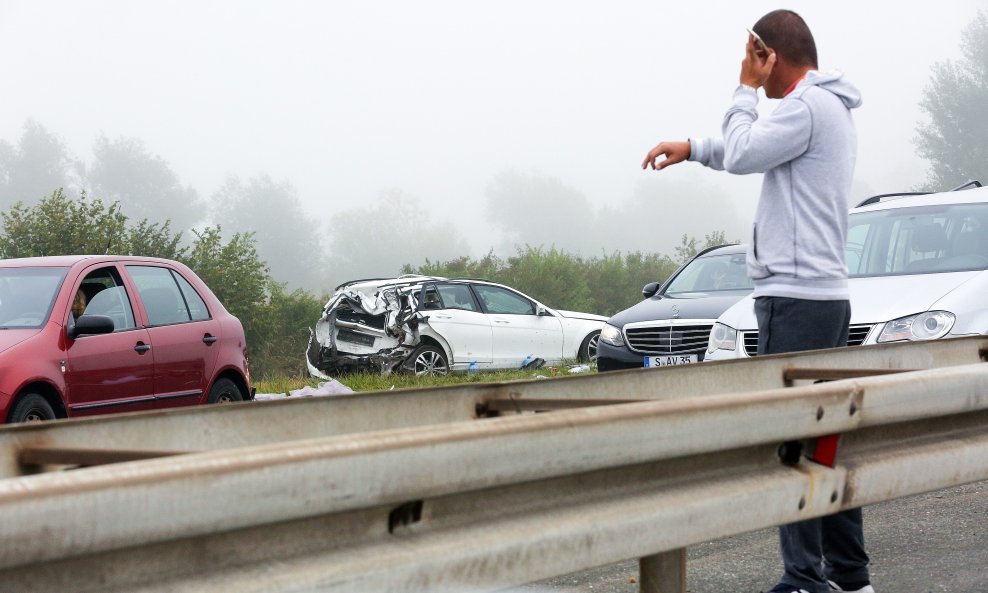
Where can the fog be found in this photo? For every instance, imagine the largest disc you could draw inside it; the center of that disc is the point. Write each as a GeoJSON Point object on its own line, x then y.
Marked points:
{"type": "Point", "coordinates": [497, 124]}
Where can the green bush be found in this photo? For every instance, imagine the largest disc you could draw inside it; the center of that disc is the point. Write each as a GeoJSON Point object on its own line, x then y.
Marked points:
{"type": "Point", "coordinates": [280, 331]}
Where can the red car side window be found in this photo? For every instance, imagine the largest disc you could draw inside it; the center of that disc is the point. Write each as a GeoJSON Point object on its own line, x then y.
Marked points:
{"type": "Point", "coordinates": [197, 307]}
{"type": "Point", "coordinates": [162, 298]}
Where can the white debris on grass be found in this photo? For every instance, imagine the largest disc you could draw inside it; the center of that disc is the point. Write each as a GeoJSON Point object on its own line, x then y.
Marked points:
{"type": "Point", "coordinates": [324, 388]}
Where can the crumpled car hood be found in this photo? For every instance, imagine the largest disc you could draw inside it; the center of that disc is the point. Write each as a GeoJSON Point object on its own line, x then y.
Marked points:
{"type": "Point", "coordinates": [370, 325]}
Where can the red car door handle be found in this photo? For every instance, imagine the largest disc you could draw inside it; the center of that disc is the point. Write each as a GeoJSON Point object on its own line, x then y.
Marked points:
{"type": "Point", "coordinates": [141, 347]}
{"type": "Point", "coordinates": [208, 339]}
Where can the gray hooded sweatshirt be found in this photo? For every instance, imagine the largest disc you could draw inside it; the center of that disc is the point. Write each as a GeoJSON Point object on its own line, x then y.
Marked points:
{"type": "Point", "coordinates": [806, 148]}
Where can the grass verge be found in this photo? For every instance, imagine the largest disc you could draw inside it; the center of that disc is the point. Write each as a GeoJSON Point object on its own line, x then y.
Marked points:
{"type": "Point", "coordinates": [369, 382]}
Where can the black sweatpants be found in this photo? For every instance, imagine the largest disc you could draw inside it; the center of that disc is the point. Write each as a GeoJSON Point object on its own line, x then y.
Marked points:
{"type": "Point", "coordinates": [790, 325]}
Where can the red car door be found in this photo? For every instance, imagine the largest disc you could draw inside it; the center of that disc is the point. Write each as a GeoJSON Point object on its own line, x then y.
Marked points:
{"type": "Point", "coordinates": [182, 335]}
{"type": "Point", "coordinates": [109, 372]}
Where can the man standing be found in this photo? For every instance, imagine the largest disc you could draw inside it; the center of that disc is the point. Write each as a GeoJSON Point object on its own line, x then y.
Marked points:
{"type": "Point", "coordinates": [806, 149]}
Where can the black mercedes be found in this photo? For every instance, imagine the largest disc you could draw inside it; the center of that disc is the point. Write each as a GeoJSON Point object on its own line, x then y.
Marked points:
{"type": "Point", "coordinates": [672, 325]}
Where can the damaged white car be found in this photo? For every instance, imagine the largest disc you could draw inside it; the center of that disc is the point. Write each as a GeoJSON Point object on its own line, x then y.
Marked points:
{"type": "Point", "coordinates": [433, 326]}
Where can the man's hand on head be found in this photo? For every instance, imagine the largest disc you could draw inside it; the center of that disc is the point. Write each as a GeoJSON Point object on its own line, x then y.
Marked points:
{"type": "Point", "coordinates": [675, 152]}
{"type": "Point", "coordinates": [756, 65]}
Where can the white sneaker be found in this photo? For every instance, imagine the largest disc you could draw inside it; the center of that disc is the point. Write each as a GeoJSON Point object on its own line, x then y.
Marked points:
{"type": "Point", "coordinates": [835, 587]}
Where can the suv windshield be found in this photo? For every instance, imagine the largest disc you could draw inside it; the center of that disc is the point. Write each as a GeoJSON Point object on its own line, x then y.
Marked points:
{"type": "Point", "coordinates": [27, 295]}
{"type": "Point", "coordinates": [712, 273]}
{"type": "Point", "coordinates": [918, 240]}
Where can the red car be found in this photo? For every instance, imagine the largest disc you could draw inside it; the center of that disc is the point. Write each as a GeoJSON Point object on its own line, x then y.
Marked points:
{"type": "Point", "coordinates": [82, 335]}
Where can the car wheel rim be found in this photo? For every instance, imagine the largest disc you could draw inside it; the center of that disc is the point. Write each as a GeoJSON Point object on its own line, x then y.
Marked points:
{"type": "Point", "coordinates": [35, 415]}
{"type": "Point", "coordinates": [592, 347]}
{"type": "Point", "coordinates": [430, 363]}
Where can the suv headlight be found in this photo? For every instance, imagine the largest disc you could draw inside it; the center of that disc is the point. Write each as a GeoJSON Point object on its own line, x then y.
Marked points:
{"type": "Point", "coordinates": [923, 326]}
{"type": "Point", "coordinates": [611, 335]}
{"type": "Point", "coordinates": [722, 337]}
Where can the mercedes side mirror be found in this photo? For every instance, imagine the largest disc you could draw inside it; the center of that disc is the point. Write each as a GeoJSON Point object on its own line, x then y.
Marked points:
{"type": "Point", "coordinates": [650, 289]}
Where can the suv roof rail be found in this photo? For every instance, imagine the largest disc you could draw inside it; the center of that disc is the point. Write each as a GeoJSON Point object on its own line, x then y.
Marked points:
{"type": "Point", "coordinates": [875, 199]}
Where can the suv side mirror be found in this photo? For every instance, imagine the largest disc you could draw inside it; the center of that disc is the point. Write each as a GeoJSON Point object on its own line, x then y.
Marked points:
{"type": "Point", "coordinates": [90, 324]}
{"type": "Point", "coordinates": [541, 311]}
{"type": "Point", "coordinates": [649, 290]}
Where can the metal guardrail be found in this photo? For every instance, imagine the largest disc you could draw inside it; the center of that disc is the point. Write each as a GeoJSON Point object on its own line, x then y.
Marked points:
{"type": "Point", "coordinates": [467, 505]}
{"type": "Point", "coordinates": [208, 428]}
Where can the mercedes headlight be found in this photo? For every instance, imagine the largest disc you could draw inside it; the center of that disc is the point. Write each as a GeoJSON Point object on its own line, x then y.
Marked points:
{"type": "Point", "coordinates": [611, 335]}
{"type": "Point", "coordinates": [924, 326]}
{"type": "Point", "coordinates": [722, 337]}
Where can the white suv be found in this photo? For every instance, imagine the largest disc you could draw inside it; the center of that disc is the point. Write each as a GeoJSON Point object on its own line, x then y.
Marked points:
{"type": "Point", "coordinates": [918, 270]}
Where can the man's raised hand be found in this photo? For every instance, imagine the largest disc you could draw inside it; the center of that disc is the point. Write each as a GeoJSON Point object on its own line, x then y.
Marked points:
{"type": "Point", "coordinates": [675, 152]}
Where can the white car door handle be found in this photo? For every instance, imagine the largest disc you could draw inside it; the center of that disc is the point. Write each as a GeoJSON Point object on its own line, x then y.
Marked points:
{"type": "Point", "coordinates": [501, 321]}
{"type": "Point", "coordinates": [442, 316]}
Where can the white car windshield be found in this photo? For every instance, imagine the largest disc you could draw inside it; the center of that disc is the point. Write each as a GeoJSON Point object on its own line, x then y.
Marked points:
{"type": "Point", "coordinates": [918, 240]}
{"type": "Point", "coordinates": [27, 295]}
{"type": "Point", "coordinates": [712, 273]}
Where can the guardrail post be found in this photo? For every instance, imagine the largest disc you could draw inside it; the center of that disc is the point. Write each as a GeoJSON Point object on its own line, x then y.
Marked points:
{"type": "Point", "coordinates": [663, 573]}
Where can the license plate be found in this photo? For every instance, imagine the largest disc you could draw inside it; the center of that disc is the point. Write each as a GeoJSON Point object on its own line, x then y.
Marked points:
{"type": "Point", "coordinates": [346, 335]}
{"type": "Point", "coordinates": [669, 361]}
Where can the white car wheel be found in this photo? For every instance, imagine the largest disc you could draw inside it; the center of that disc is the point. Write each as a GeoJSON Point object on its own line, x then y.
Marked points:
{"type": "Point", "coordinates": [429, 361]}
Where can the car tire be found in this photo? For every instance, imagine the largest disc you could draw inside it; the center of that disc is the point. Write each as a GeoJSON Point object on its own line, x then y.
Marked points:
{"type": "Point", "coordinates": [588, 349]}
{"type": "Point", "coordinates": [31, 407]}
{"type": "Point", "coordinates": [427, 361]}
{"type": "Point", "coordinates": [224, 391]}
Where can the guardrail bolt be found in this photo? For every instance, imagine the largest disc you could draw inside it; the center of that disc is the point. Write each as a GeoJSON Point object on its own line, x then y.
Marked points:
{"type": "Point", "coordinates": [854, 409]}
{"type": "Point", "coordinates": [406, 514]}
{"type": "Point", "coordinates": [790, 452]}
{"type": "Point", "coordinates": [802, 503]}
{"type": "Point", "coordinates": [819, 413]}
{"type": "Point", "coordinates": [833, 497]}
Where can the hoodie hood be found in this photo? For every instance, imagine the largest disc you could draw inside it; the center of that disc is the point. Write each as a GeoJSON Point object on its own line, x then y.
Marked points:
{"type": "Point", "coordinates": [834, 82]}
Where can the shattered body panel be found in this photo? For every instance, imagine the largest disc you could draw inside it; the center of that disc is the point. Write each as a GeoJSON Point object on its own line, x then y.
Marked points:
{"type": "Point", "coordinates": [362, 330]}
{"type": "Point", "coordinates": [431, 325]}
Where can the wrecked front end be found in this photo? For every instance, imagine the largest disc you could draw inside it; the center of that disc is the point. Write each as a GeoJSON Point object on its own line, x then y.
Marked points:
{"type": "Point", "coordinates": [362, 332]}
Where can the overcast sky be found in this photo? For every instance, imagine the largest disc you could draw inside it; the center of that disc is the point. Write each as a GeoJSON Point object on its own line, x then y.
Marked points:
{"type": "Point", "coordinates": [348, 99]}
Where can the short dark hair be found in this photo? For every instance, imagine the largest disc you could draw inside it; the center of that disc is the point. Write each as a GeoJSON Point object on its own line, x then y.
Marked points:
{"type": "Point", "coordinates": [787, 33]}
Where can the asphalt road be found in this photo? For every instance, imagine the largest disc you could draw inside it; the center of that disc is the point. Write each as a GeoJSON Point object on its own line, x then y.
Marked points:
{"type": "Point", "coordinates": [930, 543]}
